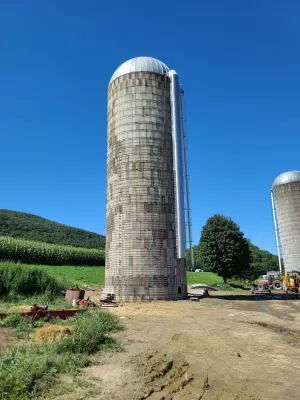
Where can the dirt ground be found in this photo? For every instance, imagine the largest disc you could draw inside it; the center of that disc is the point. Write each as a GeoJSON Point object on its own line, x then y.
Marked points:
{"type": "Point", "coordinates": [7, 339]}
{"type": "Point", "coordinates": [226, 347]}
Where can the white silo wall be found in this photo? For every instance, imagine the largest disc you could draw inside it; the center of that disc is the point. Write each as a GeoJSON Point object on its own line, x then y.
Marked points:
{"type": "Point", "coordinates": [141, 262]}
{"type": "Point", "coordinates": [286, 190]}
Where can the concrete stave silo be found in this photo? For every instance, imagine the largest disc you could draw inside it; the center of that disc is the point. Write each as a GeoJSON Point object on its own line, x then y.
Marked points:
{"type": "Point", "coordinates": [145, 237]}
{"type": "Point", "coordinates": [286, 195]}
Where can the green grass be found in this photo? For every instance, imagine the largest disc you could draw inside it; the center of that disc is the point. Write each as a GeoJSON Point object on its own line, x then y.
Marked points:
{"type": "Point", "coordinates": [65, 274]}
{"type": "Point", "coordinates": [210, 278]}
{"type": "Point", "coordinates": [76, 275]}
{"type": "Point", "coordinates": [95, 275]}
{"type": "Point", "coordinates": [27, 372]}
{"type": "Point", "coordinates": [204, 277]}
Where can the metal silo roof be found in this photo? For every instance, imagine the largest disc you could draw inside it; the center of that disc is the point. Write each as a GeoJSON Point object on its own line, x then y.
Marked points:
{"type": "Point", "coordinates": [287, 177]}
{"type": "Point", "coordinates": [140, 64]}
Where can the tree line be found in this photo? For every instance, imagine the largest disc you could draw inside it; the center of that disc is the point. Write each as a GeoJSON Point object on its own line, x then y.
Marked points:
{"type": "Point", "coordinates": [223, 249]}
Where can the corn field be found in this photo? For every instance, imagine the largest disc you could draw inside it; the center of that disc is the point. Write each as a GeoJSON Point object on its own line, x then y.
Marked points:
{"type": "Point", "coordinates": [30, 252]}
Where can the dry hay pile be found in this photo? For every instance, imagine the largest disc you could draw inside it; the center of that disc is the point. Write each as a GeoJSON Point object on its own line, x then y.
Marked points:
{"type": "Point", "coordinates": [51, 333]}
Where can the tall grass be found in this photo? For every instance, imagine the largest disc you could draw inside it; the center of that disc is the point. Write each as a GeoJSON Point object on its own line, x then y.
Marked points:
{"type": "Point", "coordinates": [18, 281]}
{"type": "Point", "coordinates": [90, 331]}
{"type": "Point", "coordinates": [27, 372]}
{"type": "Point", "coordinates": [51, 254]}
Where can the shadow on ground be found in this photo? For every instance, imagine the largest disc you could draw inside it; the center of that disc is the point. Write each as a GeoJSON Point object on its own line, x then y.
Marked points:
{"type": "Point", "coordinates": [237, 286]}
{"type": "Point", "coordinates": [272, 296]}
{"type": "Point", "coordinates": [277, 296]}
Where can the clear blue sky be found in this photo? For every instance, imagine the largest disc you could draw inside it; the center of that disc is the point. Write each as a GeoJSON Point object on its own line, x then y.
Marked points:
{"type": "Point", "coordinates": [239, 62]}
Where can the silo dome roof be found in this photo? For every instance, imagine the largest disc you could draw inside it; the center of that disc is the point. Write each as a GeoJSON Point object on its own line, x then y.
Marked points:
{"type": "Point", "coordinates": [287, 177]}
{"type": "Point", "coordinates": [140, 64]}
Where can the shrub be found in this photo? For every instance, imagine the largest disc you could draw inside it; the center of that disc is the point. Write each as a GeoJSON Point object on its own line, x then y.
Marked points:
{"type": "Point", "coordinates": [17, 280]}
{"type": "Point", "coordinates": [90, 329]}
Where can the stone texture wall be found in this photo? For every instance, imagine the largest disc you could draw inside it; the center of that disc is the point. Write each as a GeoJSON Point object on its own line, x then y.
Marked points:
{"type": "Point", "coordinates": [287, 200]}
{"type": "Point", "coordinates": [140, 238]}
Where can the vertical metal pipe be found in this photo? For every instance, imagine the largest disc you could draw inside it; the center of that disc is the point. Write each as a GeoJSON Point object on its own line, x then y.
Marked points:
{"type": "Point", "coordinates": [177, 165]}
{"type": "Point", "coordinates": [276, 231]}
{"type": "Point", "coordinates": [187, 180]}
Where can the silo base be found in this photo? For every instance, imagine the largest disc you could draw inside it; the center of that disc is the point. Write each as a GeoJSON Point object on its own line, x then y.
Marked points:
{"type": "Point", "coordinates": [142, 293]}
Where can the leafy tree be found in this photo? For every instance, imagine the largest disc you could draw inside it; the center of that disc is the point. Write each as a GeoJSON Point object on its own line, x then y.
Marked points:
{"type": "Point", "coordinates": [225, 250]}
{"type": "Point", "coordinates": [198, 259]}
{"type": "Point", "coordinates": [262, 261]}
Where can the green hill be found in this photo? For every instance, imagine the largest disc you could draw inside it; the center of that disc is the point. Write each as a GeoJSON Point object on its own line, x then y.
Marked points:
{"type": "Point", "coordinates": [31, 227]}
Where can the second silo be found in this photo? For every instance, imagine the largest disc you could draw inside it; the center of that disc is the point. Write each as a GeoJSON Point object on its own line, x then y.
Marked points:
{"type": "Point", "coordinates": [145, 236]}
{"type": "Point", "coordinates": [286, 193]}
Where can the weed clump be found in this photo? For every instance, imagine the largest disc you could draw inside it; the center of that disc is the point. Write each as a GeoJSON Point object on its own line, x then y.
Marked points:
{"type": "Point", "coordinates": [27, 372]}
{"type": "Point", "coordinates": [90, 329]}
{"type": "Point", "coordinates": [17, 281]}
{"type": "Point", "coordinates": [226, 287]}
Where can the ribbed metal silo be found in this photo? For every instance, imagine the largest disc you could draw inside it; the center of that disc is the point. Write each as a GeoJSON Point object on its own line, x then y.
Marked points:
{"type": "Point", "coordinates": [145, 229]}
{"type": "Point", "coordinates": [286, 194]}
